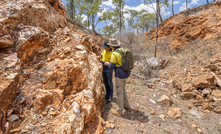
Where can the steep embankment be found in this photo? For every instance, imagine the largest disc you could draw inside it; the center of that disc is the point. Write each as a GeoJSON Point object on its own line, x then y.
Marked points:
{"type": "Point", "coordinates": [49, 81]}
{"type": "Point", "coordinates": [201, 23]}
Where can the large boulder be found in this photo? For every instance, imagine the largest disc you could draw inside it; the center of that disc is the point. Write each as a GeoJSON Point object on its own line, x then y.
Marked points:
{"type": "Point", "coordinates": [156, 63]}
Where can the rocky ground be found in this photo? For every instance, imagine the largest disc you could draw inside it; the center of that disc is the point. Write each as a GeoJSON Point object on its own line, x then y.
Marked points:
{"type": "Point", "coordinates": [150, 117]}
{"type": "Point", "coordinates": [160, 106]}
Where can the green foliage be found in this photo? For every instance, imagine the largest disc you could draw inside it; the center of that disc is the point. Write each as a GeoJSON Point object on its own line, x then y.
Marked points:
{"type": "Point", "coordinates": [72, 8]}
{"type": "Point", "coordinates": [90, 8]}
{"type": "Point", "coordinates": [146, 21]}
{"type": "Point", "coordinates": [116, 16]}
{"type": "Point", "coordinates": [134, 15]}
{"type": "Point", "coordinates": [162, 2]}
{"type": "Point", "coordinates": [109, 31]}
{"type": "Point", "coordinates": [141, 20]}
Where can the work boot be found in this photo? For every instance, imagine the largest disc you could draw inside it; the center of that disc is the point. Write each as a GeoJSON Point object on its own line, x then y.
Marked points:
{"type": "Point", "coordinates": [115, 112]}
{"type": "Point", "coordinates": [109, 100]}
{"type": "Point", "coordinates": [127, 108]}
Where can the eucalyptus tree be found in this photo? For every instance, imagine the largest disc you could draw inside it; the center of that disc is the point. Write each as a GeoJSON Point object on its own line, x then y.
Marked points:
{"type": "Point", "coordinates": [116, 16]}
{"type": "Point", "coordinates": [132, 19]}
{"type": "Point", "coordinates": [108, 31]}
{"type": "Point", "coordinates": [72, 8]}
{"type": "Point", "coordinates": [159, 3]}
{"type": "Point", "coordinates": [144, 21]}
{"type": "Point", "coordinates": [119, 14]}
{"type": "Point", "coordinates": [172, 7]}
{"type": "Point", "coordinates": [90, 8]}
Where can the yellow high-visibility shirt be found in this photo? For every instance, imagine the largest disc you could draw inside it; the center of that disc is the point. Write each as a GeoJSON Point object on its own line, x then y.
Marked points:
{"type": "Point", "coordinates": [116, 58]}
{"type": "Point", "coordinates": [106, 55]}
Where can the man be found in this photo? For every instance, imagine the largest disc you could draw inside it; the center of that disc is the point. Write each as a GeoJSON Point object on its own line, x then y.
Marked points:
{"type": "Point", "coordinates": [107, 72]}
{"type": "Point", "coordinates": [120, 77]}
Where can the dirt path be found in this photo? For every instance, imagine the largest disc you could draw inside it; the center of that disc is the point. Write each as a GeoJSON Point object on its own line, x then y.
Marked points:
{"type": "Point", "coordinates": [144, 100]}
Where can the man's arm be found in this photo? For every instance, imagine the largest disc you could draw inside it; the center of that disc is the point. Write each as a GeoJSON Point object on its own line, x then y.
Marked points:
{"type": "Point", "coordinates": [112, 63]}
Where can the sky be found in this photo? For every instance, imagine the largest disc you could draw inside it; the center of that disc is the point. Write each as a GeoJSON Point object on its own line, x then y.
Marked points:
{"type": "Point", "coordinates": [179, 5]}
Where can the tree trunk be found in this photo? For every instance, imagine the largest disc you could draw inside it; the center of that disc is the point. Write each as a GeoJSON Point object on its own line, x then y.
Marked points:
{"type": "Point", "coordinates": [93, 22]}
{"type": "Point", "coordinates": [172, 7]}
{"type": "Point", "coordinates": [157, 17]}
{"type": "Point", "coordinates": [72, 11]}
{"type": "Point", "coordinates": [186, 5]}
{"type": "Point", "coordinates": [214, 0]}
{"type": "Point", "coordinates": [120, 18]}
{"type": "Point", "coordinates": [161, 19]}
{"type": "Point", "coordinates": [88, 21]}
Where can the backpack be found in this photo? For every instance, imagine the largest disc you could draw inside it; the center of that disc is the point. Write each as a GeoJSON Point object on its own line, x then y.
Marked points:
{"type": "Point", "coordinates": [127, 59]}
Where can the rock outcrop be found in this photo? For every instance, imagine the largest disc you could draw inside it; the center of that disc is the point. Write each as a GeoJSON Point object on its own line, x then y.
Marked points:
{"type": "Point", "coordinates": [49, 75]}
{"type": "Point", "coordinates": [201, 23]}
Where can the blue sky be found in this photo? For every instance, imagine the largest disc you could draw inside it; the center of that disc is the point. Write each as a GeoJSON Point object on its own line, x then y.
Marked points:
{"type": "Point", "coordinates": [179, 5]}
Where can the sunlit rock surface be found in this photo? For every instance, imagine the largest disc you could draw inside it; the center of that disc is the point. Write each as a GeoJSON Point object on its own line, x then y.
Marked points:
{"type": "Point", "coordinates": [50, 79]}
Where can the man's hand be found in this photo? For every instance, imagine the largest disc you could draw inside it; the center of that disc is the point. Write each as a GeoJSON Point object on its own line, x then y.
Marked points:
{"type": "Point", "coordinates": [106, 63]}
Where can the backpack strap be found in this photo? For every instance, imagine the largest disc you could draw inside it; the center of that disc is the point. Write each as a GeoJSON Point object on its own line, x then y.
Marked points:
{"type": "Point", "coordinates": [118, 51]}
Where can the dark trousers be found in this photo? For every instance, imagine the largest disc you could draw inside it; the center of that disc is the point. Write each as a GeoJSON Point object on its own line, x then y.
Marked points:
{"type": "Point", "coordinates": [107, 79]}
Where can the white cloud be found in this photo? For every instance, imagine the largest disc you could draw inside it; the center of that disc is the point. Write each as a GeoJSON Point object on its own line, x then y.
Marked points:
{"type": "Point", "coordinates": [183, 7]}
{"type": "Point", "coordinates": [164, 12]}
{"type": "Point", "coordinates": [174, 2]}
{"type": "Point", "coordinates": [193, 2]}
{"type": "Point", "coordinates": [84, 17]}
{"type": "Point", "coordinates": [108, 4]}
{"type": "Point", "coordinates": [148, 8]}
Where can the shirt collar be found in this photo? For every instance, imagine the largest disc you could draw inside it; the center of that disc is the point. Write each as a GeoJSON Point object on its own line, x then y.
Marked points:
{"type": "Point", "coordinates": [116, 48]}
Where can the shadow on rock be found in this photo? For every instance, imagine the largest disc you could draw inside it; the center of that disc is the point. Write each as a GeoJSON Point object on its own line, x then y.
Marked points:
{"type": "Point", "coordinates": [106, 110]}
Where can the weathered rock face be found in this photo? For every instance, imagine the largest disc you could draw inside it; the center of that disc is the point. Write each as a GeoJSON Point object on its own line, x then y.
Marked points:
{"type": "Point", "coordinates": [48, 14]}
{"type": "Point", "coordinates": [50, 80]}
{"type": "Point", "coordinates": [190, 25]}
